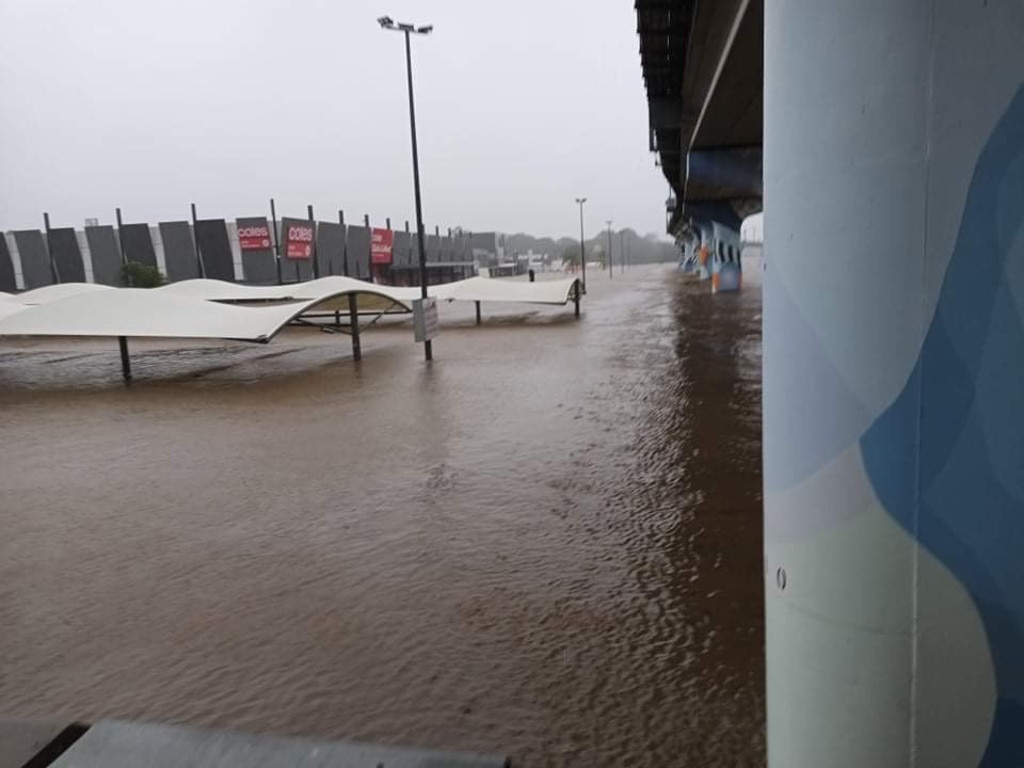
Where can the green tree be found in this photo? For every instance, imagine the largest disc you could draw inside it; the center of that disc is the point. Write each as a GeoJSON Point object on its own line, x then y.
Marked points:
{"type": "Point", "coordinates": [571, 256]}
{"type": "Point", "coordinates": [136, 275]}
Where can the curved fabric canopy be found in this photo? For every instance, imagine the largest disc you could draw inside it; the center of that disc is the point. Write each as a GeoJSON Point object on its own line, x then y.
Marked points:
{"type": "Point", "coordinates": [209, 309]}
{"type": "Point", "coordinates": [8, 308]}
{"type": "Point", "coordinates": [473, 289]}
{"type": "Point", "coordinates": [496, 289]}
{"type": "Point", "coordinates": [145, 312]}
{"type": "Point", "coordinates": [319, 291]}
{"type": "Point", "coordinates": [49, 293]}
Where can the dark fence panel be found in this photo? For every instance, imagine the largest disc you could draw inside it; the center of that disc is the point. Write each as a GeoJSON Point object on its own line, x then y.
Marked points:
{"type": "Point", "coordinates": [105, 253]}
{"type": "Point", "coordinates": [215, 248]}
{"type": "Point", "coordinates": [138, 244]}
{"type": "Point", "coordinates": [358, 242]}
{"type": "Point", "coordinates": [294, 270]}
{"type": "Point", "coordinates": [330, 248]}
{"type": "Point", "coordinates": [67, 256]}
{"type": "Point", "coordinates": [179, 250]}
{"type": "Point", "coordinates": [35, 261]}
{"type": "Point", "coordinates": [258, 266]}
{"type": "Point", "coordinates": [402, 255]}
{"type": "Point", "coordinates": [8, 282]}
{"type": "Point", "coordinates": [433, 249]}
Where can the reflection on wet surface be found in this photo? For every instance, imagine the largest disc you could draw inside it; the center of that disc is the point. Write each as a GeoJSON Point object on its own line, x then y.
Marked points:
{"type": "Point", "coordinates": [547, 544]}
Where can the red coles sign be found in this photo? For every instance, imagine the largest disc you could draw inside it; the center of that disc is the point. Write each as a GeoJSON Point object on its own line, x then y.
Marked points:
{"type": "Point", "coordinates": [254, 238]}
{"type": "Point", "coordinates": [299, 241]}
{"type": "Point", "coordinates": [381, 243]}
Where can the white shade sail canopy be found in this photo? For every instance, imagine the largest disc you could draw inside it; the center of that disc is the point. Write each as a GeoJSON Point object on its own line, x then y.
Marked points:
{"type": "Point", "coordinates": [515, 291]}
{"type": "Point", "coordinates": [473, 289]}
{"type": "Point", "coordinates": [49, 293]}
{"type": "Point", "coordinates": [8, 308]}
{"type": "Point", "coordinates": [145, 312]}
{"type": "Point", "coordinates": [322, 290]}
{"type": "Point", "coordinates": [208, 309]}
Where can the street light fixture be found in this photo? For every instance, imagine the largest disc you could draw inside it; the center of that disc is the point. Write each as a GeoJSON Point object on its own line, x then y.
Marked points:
{"type": "Point", "coordinates": [583, 253]}
{"type": "Point", "coordinates": [386, 22]}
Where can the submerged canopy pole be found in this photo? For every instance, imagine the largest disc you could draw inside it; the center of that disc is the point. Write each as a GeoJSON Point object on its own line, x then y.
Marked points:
{"type": "Point", "coordinates": [478, 313]}
{"type": "Point", "coordinates": [126, 363]}
{"type": "Point", "coordinates": [353, 326]}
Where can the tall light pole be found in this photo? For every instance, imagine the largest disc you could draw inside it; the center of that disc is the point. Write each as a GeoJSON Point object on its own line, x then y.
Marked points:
{"type": "Point", "coordinates": [583, 251]}
{"type": "Point", "coordinates": [611, 263]}
{"type": "Point", "coordinates": [386, 22]}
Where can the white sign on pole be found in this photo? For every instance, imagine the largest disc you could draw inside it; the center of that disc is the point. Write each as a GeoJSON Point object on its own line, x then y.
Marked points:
{"type": "Point", "coordinates": [424, 319]}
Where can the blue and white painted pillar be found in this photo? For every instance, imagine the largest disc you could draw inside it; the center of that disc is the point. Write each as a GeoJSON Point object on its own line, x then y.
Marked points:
{"type": "Point", "coordinates": [894, 382]}
{"type": "Point", "coordinates": [690, 245]}
{"type": "Point", "coordinates": [704, 250]}
{"type": "Point", "coordinates": [726, 269]}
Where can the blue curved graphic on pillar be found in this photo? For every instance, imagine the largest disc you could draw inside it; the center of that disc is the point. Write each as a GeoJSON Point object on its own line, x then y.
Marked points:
{"type": "Point", "coordinates": [961, 418]}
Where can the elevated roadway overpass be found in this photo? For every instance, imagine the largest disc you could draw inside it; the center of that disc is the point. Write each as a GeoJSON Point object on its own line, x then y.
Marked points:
{"type": "Point", "coordinates": [702, 66]}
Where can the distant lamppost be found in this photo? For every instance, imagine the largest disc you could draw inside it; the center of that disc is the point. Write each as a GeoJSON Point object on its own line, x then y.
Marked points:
{"type": "Point", "coordinates": [611, 264]}
{"type": "Point", "coordinates": [386, 22]}
{"type": "Point", "coordinates": [583, 251]}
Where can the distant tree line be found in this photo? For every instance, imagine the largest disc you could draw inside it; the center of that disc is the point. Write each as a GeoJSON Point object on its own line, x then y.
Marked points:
{"type": "Point", "coordinates": [638, 249]}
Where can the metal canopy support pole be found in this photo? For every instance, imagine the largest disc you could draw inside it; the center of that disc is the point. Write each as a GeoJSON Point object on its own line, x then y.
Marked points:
{"type": "Point", "coordinates": [126, 363]}
{"type": "Point", "coordinates": [316, 266]}
{"type": "Point", "coordinates": [120, 240]}
{"type": "Point", "coordinates": [49, 251]}
{"type": "Point", "coordinates": [344, 240]}
{"type": "Point", "coordinates": [370, 246]}
{"type": "Point", "coordinates": [478, 313]}
{"type": "Point", "coordinates": [353, 326]}
{"type": "Point", "coordinates": [195, 243]}
{"type": "Point", "coordinates": [277, 242]}
{"type": "Point", "coordinates": [576, 299]}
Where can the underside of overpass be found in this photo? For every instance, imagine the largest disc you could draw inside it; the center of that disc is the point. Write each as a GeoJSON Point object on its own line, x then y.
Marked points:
{"type": "Point", "coordinates": [703, 68]}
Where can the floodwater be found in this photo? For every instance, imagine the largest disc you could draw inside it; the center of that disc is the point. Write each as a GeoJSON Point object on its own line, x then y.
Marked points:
{"type": "Point", "coordinates": [546, 544]}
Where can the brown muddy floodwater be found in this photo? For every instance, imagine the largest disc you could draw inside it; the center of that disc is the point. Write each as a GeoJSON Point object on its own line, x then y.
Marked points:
{"type": "Point", "coordinates": [546, 544]}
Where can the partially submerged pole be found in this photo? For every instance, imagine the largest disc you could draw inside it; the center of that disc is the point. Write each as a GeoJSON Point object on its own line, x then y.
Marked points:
{"type": "Point", "coordinates": [353, 327]}
{"type": "Point", "coordinates": [576, 298]}
{"type": "Point", "coordinates": [126, 363]}
{"type": "Point", "coordinates": [477, 312]}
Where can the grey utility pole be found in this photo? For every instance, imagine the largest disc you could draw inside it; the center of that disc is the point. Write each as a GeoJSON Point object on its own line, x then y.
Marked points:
{"type": "Point", "coordinates": [583, 251]}
{"type": "Point", "coordinates": [386, 22]}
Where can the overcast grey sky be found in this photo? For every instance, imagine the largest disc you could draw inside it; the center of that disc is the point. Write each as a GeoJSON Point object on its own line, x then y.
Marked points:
{"type": "Point", "coordinates": [149, 105]}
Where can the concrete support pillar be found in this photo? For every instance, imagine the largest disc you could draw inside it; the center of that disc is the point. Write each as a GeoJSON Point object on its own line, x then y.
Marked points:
{"type": "Point", "coordinates": [893, 381]}
{"type": "Point", "coordinates": [704, 250]}
{"type": "Point", "coordinates": [690, 244]}
{"type": "Point", "coordinates": [726, 269]}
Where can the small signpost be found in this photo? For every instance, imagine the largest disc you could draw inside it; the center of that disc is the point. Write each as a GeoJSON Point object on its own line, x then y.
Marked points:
{"type": "Point", "coordinates": [424, 319]}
